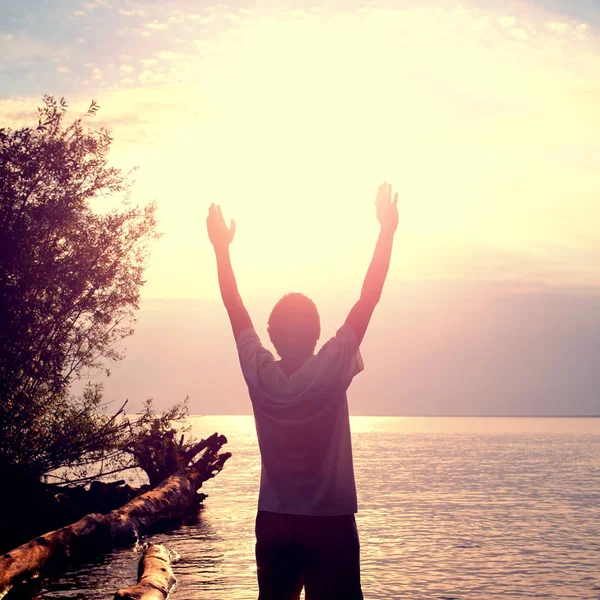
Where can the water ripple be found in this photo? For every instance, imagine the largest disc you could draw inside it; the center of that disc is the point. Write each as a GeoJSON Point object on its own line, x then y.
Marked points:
{"type": "Point", "coordinates": [449, 509]}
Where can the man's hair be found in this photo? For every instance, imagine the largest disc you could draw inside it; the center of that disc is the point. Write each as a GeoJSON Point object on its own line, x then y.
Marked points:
{"type": "Point", "coordinates": [294, 325]}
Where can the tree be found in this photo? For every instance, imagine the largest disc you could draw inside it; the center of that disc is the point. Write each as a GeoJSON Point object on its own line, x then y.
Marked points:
{"type": "Point", "coordinates": [157, 444]}
{"type": "Point", "coordinates": [70, 281]}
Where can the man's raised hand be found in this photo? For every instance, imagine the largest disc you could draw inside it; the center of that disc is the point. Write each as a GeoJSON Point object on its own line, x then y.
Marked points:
{"type": "Point", "coordinates": [387, 211]}
{"type": "Point", "coordinates": [219, 234]}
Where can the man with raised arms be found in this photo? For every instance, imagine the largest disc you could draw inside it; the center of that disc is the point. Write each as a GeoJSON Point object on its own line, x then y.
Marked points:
{"type": "Point", "coordinates": [305, 528]}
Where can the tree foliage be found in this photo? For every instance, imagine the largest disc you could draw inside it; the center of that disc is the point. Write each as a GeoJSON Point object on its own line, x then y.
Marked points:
{"type": "Point", "coordinates": [157, 444]}
{"type": "Point", "coordinates": [70, 281]}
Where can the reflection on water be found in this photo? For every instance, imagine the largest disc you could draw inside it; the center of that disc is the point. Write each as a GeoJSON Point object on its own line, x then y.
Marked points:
{"type": "Point", "coordinates": [448, 508]}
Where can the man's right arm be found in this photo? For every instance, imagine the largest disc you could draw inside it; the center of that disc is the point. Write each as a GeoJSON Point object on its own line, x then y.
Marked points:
{"type": "Point", "coordinates": [387, 214]}
{"type": "Point", "coordinates": [221, 237]}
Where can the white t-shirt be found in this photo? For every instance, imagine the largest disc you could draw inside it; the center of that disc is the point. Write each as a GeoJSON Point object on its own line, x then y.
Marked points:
{"type": "Point", "coordinates": [303, 426]}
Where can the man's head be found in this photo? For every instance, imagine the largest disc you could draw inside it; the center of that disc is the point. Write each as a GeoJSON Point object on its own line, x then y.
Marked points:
{"type": "Point", "coordinates": [294, 326]}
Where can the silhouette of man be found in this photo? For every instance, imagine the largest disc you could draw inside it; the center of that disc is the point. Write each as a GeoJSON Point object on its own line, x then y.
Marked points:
{"type": "Point", "coordinates": [305, 528]}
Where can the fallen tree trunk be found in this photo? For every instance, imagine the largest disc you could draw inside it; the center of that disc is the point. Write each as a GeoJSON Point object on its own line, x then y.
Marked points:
{"type": "Point", "coordinates": [167, 501]}
{"type": "Point", "coordinates": [155, 576]}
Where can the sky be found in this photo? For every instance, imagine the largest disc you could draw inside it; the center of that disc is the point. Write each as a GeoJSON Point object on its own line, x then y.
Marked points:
{"type": "Point", "coordinates": [483, 115]}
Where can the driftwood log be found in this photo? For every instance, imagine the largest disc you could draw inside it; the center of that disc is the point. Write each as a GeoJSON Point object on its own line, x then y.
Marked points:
{"type": "Point", "coordinates": [155, 576]}
{"type": "Point", "coordinates": [167, 501]}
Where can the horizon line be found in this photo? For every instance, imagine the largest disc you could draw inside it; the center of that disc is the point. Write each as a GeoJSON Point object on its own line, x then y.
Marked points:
{"type": "Point", "coordinates": [444, 416]}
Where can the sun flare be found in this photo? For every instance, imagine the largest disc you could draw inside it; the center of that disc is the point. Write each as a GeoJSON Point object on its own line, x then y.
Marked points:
{"type": "Point", "coordinates": [480, 119]}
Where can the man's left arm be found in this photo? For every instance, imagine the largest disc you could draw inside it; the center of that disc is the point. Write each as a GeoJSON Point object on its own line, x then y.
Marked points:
{"type": "Point", "coordinates": [221, 237]}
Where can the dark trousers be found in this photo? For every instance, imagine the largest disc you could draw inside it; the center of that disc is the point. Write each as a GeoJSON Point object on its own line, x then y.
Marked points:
{"type": "Point", "coordinates": [320, 553]}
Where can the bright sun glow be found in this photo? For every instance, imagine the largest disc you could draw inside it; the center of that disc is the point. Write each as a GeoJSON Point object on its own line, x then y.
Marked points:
{"type": "Point", "coordinates": [482, 120]}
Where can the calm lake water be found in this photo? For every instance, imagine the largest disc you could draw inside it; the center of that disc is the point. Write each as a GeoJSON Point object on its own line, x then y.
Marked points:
{"type": "Point", "coordinates": [449, 508]}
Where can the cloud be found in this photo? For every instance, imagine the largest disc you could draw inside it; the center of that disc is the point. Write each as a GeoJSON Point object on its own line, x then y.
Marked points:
{"type": "Point", "coordinates": [157, 26]}
{"type": "Point", "coordinates": [232, 17]}
{"type": "Point", "coordinates": [538, 266]}
{"type": "Point", "coordinates": [132, 12]}
{"type": "Point", "coordinates": [20, 53]}
{"type": "Point", "coordinates": [558, 27]}
{"type": "Point", "coordinates": [203, 44]}
{"type": "Point", "coordinates": [96, 4]}
{"type": "Point", "coordinates": [18, 112]}
{"type": "Point", "coordinates": [63, 69]}
{"type": "Point", "coordinates": [507, 21]}
{"type": "Point", "coordinates": [170, 55]}
{"type": "Point", "coordinates": [127, 68]}
{"type": "Point", "coordinates": [299, 13]}
{"type": "Point", "coordinates": [519, 33]}
{"type": "Point", "coordinates": [147, 76]}
{"type": "Point", "coordinates": [202, 19]}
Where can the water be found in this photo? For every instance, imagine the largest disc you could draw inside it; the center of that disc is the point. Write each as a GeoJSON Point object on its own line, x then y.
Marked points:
{"type": "Point", "coordinates": [449, 508]}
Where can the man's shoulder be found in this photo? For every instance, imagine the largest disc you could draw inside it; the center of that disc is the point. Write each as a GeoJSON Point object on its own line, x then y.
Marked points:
{"type": "Point", "coordinates": [344, 341]}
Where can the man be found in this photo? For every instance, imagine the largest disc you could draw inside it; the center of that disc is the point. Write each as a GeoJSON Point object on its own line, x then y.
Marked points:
{"type": "Point", "coordinates": [305, 528]}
